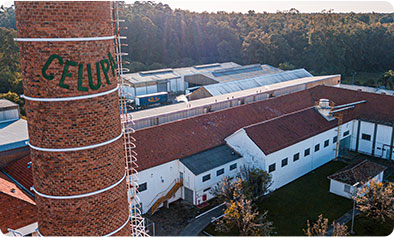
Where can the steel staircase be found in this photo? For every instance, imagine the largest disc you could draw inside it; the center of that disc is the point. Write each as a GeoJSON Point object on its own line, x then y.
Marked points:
{"type": "Point", "coordinates": [177, 183]}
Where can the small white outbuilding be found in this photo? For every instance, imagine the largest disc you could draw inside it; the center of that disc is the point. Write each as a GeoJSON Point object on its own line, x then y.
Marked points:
{"type": "Point", "coordinates": [345, 182]}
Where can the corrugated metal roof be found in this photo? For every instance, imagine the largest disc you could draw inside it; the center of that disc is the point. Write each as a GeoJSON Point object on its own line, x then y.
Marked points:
{"type": "Point", "coordinates": [141, 114]}
{"type": "Point", "coordinates": [169, 73]}
{"type": "Point", "coordinates": [241, 72]}
{"type": "Point", "coordinates": [209, 159]}
{"type": "Point", "coordinates": [13, 134]}
{"type": "Point", "coordinates": [233, 86]}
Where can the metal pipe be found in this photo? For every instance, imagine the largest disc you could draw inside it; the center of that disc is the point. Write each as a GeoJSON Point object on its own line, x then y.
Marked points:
{"type": "Point", "coordinates": [354, 103]}
{"type": "Point", "coordinates": [339, 110]}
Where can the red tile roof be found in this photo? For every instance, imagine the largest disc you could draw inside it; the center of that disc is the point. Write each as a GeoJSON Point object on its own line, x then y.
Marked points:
{"type": "Point", "coordinates": [360, 171]}
{"type": "Point", "coordinates": [278, 133]}
{"type": "Point", "coordinates": [20, 172]}
{"type": "Point", "coordinates": [16, 208]}
{"type": "Point", "coordinates": [160, 144]}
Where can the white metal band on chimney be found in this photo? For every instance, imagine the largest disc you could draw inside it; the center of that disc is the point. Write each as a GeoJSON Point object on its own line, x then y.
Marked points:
{"type": "Point", "coordinates": [70, 98]}
{"type": "Point", "coordinates": [75, 148]}
{"type": "Point", "coordinates": [110, 234]}
{"type": "Point", "coordinates": [79, 195]}
{"type": "Point", "coordinates": [115, 231]}
{"type": "Point", "coordinates": [64, 39]}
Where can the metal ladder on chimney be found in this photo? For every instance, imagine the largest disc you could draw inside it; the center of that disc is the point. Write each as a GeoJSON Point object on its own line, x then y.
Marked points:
{"type": "Point", "coordinates": [136, 219]}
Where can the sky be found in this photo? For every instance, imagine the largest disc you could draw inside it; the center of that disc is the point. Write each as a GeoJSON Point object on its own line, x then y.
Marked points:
{"type": "Point", "coordinates": [272, 6]}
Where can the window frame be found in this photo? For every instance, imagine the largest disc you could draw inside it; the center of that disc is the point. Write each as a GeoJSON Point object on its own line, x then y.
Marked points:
{"type": "Point", "coordinates": [296, 155]}
{"type": "Point", "coordinates": [326, 143]}
{"type": "Point", "coordinates": [308, 150]}
{"type": "Point", "coordinates": [141, 185]}
{"type": "Point", "coordinates": [221, 170]}
{"type": "Point", "coordinates": [347, 186]}
{"type": "Point", "coordinates": [286, 160]}
{"type": "Point", "coordinates": [204, 179]}
{"type": "Point", "coordinates": [271, 165]}
{"type": "Point", "coordinates": [363, 135]}
{"type": "Point", "coordinates": [233, 166]}
{"type": "Point", "coordinates": [317, 147]}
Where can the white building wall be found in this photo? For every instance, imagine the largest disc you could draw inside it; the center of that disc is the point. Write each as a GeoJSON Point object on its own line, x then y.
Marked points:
{"type": "Point", "coordinates": [240, 142]}
{"type": "Point", "coordinates": [338, 188]}
{"type": "Point", "coordinates": [159, 179]}
{"type": "Point", "coordinates": [365, 146]}
{"type": "Point", "coordinates": [295, 169]}
{"type": "Point", "coordinates": [9, 115]}
{"type": "Point", "coordinates": [204, 188]}
{"type": "Point", "coordinates": [251, 153]}
{"type": "Point", "coordinates": [353, 140]}
{"type": "Point", "coordinates": [382, 143]}
{"type": "Point", "coordinates": [383, 140]}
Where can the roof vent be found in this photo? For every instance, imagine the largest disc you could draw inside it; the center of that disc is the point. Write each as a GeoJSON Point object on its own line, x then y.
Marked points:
{"type": "Point", "coordinates": [324, 108]}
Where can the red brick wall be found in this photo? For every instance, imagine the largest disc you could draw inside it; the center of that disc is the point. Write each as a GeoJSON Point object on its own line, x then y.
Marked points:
{"type": "Point", "coordinates": [73, 123]}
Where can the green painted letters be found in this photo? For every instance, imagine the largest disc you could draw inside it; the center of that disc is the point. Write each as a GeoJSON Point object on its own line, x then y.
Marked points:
{"type": "Point", "coordinates": [80, 77]}
{"type": "Point", "coordinates": [66, 74]}
{"type": "Point", "coordinates": [112, 63]}
{"type": "Point", "coordinates": [49, 61]}
{"type": "Point", "coordinates": [105, 66]}
{"type": "Point", "coordinates": [91, 84]}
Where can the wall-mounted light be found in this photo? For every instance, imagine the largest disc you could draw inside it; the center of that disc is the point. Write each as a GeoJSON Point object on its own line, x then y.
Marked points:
{"type": "Point", "coordinates": [162, 180]}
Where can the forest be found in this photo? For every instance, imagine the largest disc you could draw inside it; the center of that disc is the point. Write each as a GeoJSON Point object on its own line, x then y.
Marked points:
{"type": "Point", "coordinates": [160, 37]}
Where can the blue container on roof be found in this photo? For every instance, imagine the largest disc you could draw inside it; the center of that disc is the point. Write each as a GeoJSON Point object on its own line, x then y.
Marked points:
{"type": "Point", "coordinates": [144, 100]}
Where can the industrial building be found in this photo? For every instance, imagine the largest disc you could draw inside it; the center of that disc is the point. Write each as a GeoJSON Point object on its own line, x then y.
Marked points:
{"type": "Point", "coordinates": [187, 109]}
{"type": "Point", "coordinates": [284, 135]}
{"type": "Point", "coordinates": [249, 83]}
{"type": "Point", "coordinates": [85, 174]}
{"type": "Point", "coordinates": [177, 80]}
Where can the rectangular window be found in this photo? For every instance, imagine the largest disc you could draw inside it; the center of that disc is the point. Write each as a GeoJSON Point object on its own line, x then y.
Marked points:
{"type": "Point", "coordinates": [366, 137]}
{"type": "Point", "coordinates": [307, 152]}
{"type": "Point", "coordinates": [326, 143]}
{"type": "Point", "coordinates": [207, 189]}
{"type": "Point", "coordinates": [206, 177]}
{"type": "Point", "coordinates": [296, 157]}
{"type": "Point", "coordinates": [271, 168]}
{"type": "Point", "coordinates": [346, 133]}
{"type": "Point", "coordinates": [220, 172]}
{"type": "Point", "coordinates": [142, 187]}
{"type": "Point", "coordinates": [335, 139]}
{"type": "Point", "coordinates": [347, 188]}
{"type": "Point", "coordinates": [233, 166]}
{"type": "Point", "coordinates": [284, 162]}
{"type": "Point", "coordinates": [317, 147]}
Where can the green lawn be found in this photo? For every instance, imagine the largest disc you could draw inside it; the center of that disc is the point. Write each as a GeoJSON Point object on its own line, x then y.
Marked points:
{"type": "Point", "coordinates": [305, 198]}
{"type": "Point", "coordinates": [364, 78]}
{"type": "Point", "coordinates": [364, 226]}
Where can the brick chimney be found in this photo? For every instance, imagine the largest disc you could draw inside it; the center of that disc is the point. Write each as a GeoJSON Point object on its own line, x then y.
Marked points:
{"type": "Point", "coordinates": [66, 54]}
